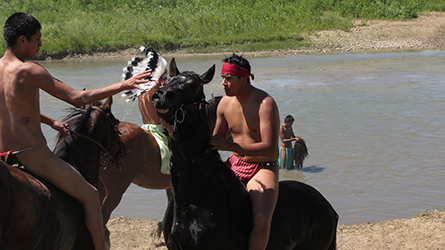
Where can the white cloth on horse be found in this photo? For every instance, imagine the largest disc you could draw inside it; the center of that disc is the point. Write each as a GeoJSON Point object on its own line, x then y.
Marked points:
{"type": "Point", "coordinates": [161, 139]}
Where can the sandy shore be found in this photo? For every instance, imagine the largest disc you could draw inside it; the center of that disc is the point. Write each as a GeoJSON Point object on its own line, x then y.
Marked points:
{"type": "Point", "coordinates": [426, 232]}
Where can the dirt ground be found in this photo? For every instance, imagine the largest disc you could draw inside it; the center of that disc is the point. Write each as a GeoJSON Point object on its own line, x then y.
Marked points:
{"type": "Point", "coordinates": [426, 232]}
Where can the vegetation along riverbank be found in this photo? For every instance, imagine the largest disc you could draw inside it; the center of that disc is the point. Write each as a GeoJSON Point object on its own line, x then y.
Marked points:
{"type": "Point", "coordinates": [73, 27]}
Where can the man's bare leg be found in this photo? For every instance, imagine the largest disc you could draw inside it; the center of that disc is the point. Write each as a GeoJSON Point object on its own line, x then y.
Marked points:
{"type": "Point", "coordinates": [263, 190]}
{"type": "Point", "coordinates": [43, 163]}
{"type": "Point", "coordinates": [283, 158]}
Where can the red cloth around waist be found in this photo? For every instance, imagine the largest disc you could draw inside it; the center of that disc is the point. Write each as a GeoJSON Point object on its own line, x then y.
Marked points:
{"type": "Point", "coordinates": [243, 169]}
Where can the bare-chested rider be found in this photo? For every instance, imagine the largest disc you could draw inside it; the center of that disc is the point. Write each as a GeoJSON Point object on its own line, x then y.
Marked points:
{"type": "Point", "coordinates": [20, 129]}
{"type": "Point", "coordinates": [251, 116]}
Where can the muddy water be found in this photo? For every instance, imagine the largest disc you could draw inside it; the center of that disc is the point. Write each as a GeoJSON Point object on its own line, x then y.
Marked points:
{"type": "Point", "coordinates": [374, 125]}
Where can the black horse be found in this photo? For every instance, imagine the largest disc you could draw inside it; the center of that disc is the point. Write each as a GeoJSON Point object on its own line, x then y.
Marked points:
{"type": "Point", "coordinates": [209, 207]}
{"type": "Point", "coordinates": [36, 215]}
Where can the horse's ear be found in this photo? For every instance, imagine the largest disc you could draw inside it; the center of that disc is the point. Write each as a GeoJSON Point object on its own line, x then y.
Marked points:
{"type": "Point", "coordinates": [107, 105]}
{"type": "Point", "coordinates": [174, 71]}
{"type": "Point", "coordinates": [208, 76]}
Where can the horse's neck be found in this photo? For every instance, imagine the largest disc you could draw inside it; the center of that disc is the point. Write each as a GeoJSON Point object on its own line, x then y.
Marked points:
{"type": "Point", "coordinates": [194, 133]}
{"type": "Point", "coordinates": [85, 158]}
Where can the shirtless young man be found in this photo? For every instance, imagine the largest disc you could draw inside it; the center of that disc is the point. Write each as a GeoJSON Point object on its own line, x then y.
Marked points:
{"type": "Point", "coordinates": [251, 115]}
{"type": "Point", "coordinates": [20, 116]}
{"type": "Point", "coordinates": [287, 136]}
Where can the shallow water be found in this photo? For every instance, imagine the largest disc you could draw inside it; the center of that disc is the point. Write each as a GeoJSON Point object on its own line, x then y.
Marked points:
{"type": "Point", "coordinates": [373, 124]}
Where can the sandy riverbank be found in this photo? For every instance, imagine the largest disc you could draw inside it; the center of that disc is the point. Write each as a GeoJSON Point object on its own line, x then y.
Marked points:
{"type": "Point", "coordinates": [427, 232]}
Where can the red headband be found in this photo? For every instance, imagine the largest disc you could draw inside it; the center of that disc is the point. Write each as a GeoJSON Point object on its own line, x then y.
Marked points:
{"type": "Point", "coordinates": [235, 70]}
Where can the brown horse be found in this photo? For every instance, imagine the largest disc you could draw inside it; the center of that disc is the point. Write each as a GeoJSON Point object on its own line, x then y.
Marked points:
{"type": "Point", "coordinates": [141, 165]}
{"type": "Point", "coordinates": [36, 215]}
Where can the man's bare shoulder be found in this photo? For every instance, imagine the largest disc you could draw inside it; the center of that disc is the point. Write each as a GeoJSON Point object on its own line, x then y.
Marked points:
{"type": "Point", "coordinates": [34, 74]}
{"type": "Point", "coordinates": [25, 69]}
{"type": "Point", "coordinates": [35, 69]}
{"type": "Point", "coordinates": [268, 101]}
{"type": "Point", "coordinates": [226, 100]}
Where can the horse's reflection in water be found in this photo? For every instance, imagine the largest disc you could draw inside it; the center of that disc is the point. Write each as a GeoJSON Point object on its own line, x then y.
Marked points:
{"type": "Point", "coordinates": [210, 208]}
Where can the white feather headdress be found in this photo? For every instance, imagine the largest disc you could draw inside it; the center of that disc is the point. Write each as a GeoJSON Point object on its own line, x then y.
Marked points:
{"type": "Point", "coordinates": [137, 65]}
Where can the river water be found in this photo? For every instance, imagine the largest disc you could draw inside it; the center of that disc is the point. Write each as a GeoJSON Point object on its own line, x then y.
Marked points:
{"type": "Point", "coordinates": [374, 125]}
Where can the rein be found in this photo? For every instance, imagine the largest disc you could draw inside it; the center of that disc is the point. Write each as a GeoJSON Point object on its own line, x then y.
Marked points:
{"type": "Point", "coordinates": [117, 159]}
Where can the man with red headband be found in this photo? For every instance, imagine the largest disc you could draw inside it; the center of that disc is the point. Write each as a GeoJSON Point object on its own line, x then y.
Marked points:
{"type": "Point", "coordinates": [251, 115]}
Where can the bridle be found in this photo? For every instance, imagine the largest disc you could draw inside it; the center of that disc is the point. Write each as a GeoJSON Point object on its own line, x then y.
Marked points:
{"type": "Point", "coordinates": [182, 111]}
{"type": "Point", "coordinates": [120, 154]}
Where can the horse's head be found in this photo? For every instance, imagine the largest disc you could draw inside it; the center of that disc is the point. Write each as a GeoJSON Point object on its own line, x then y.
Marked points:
{"type": "Point", "coordinates": [182, 89]}
{"type": "Point", "coordinates": [93, 130]}
{"type": "Point", "coordinates": [113, 149]}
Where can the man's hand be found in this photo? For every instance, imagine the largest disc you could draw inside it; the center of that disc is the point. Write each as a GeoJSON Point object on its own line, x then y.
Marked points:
{"type": "Point", "coordinates": [62, 127]}
{"type": "Point", "coordinates": [220, 143]}
{"type": "Point", "coordinates": [133, 82]}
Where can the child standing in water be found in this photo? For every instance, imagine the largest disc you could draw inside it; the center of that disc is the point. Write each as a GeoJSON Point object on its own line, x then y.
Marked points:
{"type": "Point", "coordinates": [287, 136]}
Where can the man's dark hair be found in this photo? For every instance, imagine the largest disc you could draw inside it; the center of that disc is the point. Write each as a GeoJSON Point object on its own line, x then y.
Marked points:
{"type": "Point", "coordinates": [289, 118]}
{"type": "Point", "coordinates": [19, 24]}
{"type": "Point", "coordinates": [238, 60]}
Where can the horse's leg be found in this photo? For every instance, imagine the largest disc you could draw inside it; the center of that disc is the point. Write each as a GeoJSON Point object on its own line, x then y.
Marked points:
{"type": "Point", "coordinates": [116, 183]}
{"type": "Point", "coordinates": [168, 217]}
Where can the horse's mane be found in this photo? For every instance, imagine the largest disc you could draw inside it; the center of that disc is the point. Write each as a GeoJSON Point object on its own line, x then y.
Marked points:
{"type": "Point", "coordinates": [190, 74]}
{"type": "Point", "coordinates": [211, 107]}
{"type": "Point", "coordinates": [76, 121]}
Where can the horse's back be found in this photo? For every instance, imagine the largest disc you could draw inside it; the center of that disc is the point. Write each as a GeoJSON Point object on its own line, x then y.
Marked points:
{"type": "Point", "coordinates": [143, 154]}
{"type": "Point", "coordinates": [49, 220]}
{"type": "Point", "coordinates": [303, 219]}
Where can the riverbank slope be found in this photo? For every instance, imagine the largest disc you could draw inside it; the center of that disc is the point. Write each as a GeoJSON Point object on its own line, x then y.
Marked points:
{"type": "Point", "coordinates": [427, 32]}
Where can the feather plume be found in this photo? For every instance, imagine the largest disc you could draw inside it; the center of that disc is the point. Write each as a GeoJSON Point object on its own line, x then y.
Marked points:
{"type": "Point", "coordinates": [137, 65]}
